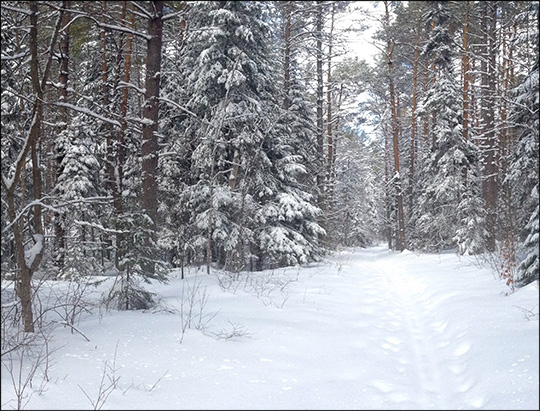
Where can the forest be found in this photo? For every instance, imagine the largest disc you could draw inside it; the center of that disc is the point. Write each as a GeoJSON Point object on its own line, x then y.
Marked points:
{"type": "Point", "coordinates": [140, 137]}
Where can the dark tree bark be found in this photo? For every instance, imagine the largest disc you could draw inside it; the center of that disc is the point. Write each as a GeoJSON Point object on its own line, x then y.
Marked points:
{"type": "Point", "coordinates": [413, 115]}
{"type": "Point", "coordinates": [489, 143]}
{"type": "Point", "coordinates": [329, 118]}
{"type": "Point", "coordinates": [28, 264]}
{"type": "Point", "coordinates": [401, 245]}
{"type": "Point", "coordinates": [62, 115]}
{"type": "Point", "coordinates": [466, 73]}
{"type": "Point", "coordinates": [287, 63]}
{"type": "Point", "coordinates": [320, 119]}
{"type": "Point", "coordinates": [150, 115]}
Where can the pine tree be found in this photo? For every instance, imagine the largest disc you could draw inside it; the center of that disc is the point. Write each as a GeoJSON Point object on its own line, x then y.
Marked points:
{"type": "Point", "coordinates": [488, 138]}
{"type": "Point", "coordinates": [447, 213]}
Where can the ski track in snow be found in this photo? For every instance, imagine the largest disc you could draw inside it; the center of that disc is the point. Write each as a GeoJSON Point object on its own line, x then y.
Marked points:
{"type": "Point", "coordinates": [430, 340]}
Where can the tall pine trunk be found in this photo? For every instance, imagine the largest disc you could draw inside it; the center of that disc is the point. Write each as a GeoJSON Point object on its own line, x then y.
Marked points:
{"type": "Point", "coordinates": [122, 133]}
{"type": "Point", "coordinates": [329, 118]}
{"type": "Point", "coordinates": [149, 150]}
{"type": "Point", "coordinates": [401, 245]}
{"type": "Point", "coordinates": [466, 73]}
{"type": "Point", "coordinates": [320, 120]}
{"type": "Point", "coordinates": [62, 115]}
{"type": "Point", "coordinates": [489, 143]}
{"type": "Point", "coordinates": [413, 117]}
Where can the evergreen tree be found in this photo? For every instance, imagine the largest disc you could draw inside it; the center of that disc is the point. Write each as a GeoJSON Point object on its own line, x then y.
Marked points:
{"type": "Point", "coordinates": [446, 215]}
{"type": "Point", "coordinates": [226, 87]}
{"type": "Point", "coordinates": [524, 172]}
{"type": "Point", "coordinates": [76, 186]}
{"type": "Point", "coordinates": [243, 167]}
{"type": "Point", "coordinates": [288, 232]}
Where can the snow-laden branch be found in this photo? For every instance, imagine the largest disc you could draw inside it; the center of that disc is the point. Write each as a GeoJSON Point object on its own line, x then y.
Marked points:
{"type": "Point", "coordinates": [5, 57]}
{"type": "Point", "coordinates": [100, 227]}
{"type": "Point", "coordinates": [110, 26]}
{"type": "Point", "coordinates": [56, 208]}
{"type": "Point", "coordinates": [191, 113]}
{"type": "Point", "coordinates": [172, 15]}
{"type": "Point", "coordinates": [143, 12]}
{"type": "Point", "coordinates": [8, 183]}
{"type": "Point", "coordinates": [394, 178]}
{"type": "Point", "coordinates": [35, 250]}
{"type": "Point", "coordinates": [16, 9]}
{"type": "Point", "coordinates": [89, 112]}
{"type": "Point", "coordinates": [123, 84]}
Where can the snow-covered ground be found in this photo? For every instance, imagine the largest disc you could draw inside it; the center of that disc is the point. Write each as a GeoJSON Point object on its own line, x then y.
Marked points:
{"type": "Point", "coordinates": [368, 329]}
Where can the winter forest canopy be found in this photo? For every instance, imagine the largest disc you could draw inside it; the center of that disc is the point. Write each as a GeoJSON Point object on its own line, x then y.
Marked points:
{"type": "Point", "coordinates": [140, 137]}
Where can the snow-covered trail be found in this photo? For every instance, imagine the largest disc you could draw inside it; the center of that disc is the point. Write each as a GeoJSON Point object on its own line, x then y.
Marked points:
{"type": "Point", "coordinates": [431, 333]}
{"type": "Point", "coordinates": [380, 330]}
{"type": "Point", "coordinates": [371, 329]}
{"type": "Point", "coordinates": [429, 352]}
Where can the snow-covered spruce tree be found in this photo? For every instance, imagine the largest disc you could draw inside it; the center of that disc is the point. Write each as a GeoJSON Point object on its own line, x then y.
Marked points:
{"type": "Point", "coordinates": [447, 213]}
{"type": "Point", "coordinates": [530, 265]}
{"type": "Point", "coordinates": [242, 198]}
{"type": "Point", "coordinates": [287, 231]}
{"type": "Point", "coordinates": [82, 185]}
{"type": "Point", "coordinates": [76, 191]}
{"type": "Point", "coordinates": [470, 234]}
{"type": "Point", "coordinates": [523, 175]}
{"type": "Point", "coordinates": [222, 90]}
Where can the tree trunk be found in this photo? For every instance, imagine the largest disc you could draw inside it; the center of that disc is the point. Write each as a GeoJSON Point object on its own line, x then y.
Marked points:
{"type": "Point", "coordinates": [490, 185]}
{"type": "Point", "coordinates": [110, 159]}
{"type": "Point", "coordinates": [506, 134]}
{"type": "Point", "coordinates": [395, 134]}
{"type": "Point", "coordinates": [63, 75]}
{"type": "Point", "coordinates": [425, 87]}
{"type": "Point", "coordinates": [466, 70]}
{"type": "Point", "coordinates": [120, 154]}
{"type": "Point", "coordinates": [413, 117]}
{"type": "Point", "coordinates": [336, 130]}
{"type": "Point", "coordinates": [388, 202]}
{"type": "Point", "coordinates": [329, 119]}
{"type": "Point", "coordinates": [287, 63]}
{"type": "Point", "coordinates": [320, 121]}
{"type": "Point", "coordinates": [27, 266]}
{"type": "Point", "coordinates": [150, 114]}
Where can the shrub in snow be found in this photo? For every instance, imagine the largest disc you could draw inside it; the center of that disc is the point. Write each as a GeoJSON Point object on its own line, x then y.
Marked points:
{"type": "Point", "coordinates": [127, 293]}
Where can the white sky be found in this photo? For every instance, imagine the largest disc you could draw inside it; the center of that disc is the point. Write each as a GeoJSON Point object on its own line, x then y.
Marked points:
{"type": "Point", "coordinates": [370, 329]}
{"type": "Point", "coordinates": [367, 13]}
